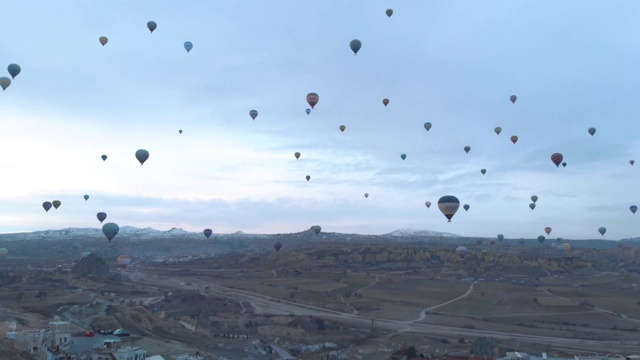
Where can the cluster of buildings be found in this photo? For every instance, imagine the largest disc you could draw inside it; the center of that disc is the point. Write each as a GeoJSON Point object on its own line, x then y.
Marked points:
{"type": "Point", "coordinates": [403, 355]}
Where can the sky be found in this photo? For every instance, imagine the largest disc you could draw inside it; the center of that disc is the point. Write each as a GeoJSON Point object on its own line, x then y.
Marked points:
{"type": "Point", "coordinates": [572, 64]}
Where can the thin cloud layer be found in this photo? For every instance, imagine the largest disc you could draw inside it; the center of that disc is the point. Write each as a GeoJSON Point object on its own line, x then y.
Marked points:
{"type": "Point", "coordinates": [453, 63]}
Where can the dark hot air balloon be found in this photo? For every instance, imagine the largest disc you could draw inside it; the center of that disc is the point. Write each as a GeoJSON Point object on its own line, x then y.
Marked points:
{"type": "Point", "coordinates": [342, 128]}
{"type": "Point", "coordinates": [103, 40]}
{"type": "Point", "coordinates": [104, 157]}
{"type": "Point", "coordinates": [497, 130]}
{"type": "Point", "coordinates": [385, 102]}
{"type": "Point", "coordinates": [592, 131]}
{"type": "Point", "coordinates": [428, 204]}
{"type": "Point", "coordinates": [633, 208]}
{"type": "Point", "coordinates": [110, 230]}
{"type": "Point", "coordinates": [602, 230]}
{"type": "Point", "coordinates": [253, 114]}
{"type": "Point", "coordinates": [86, 197]}
{"type": "Point", "coordinates": [56, 204]}
{"type": "Point", "coordinates": [461, 251]}
{"type": "Point", "coordinates": [101, 216]}
{"type": "Point", "coordinates": [466, 207]}
{"type": "Point", "coordinates": [355, 46]}
{"type": "Point", "coordinates": [467, 149]}
{"type": "Point", "coordinates": [534, 198]}
{"type": "Point", "coordinates": [207, 232]}
{"type": "Point", "coordinates": [297, 155]}
{"type": "Point", "coordinates": [556, 158]}
{"type": "Point", "coordinates": [151, 25]}
{"type": "Point", "coordinates": [308, 177]}
{"type": "Point", "coordinates": [312, 99]}
{"type": "Point", "coordinates": [389, 12]}
{"type": "Point", "coordinates": [547, 230]}
{"type": "Point", "coordinates": [514, 139]}
{"type": "Point", "coordinates": [277, 246]}
{"type": "Point", "coordinates": [47, 206]}
{"type": "Point", "coordinates": [142, 155]}
{"type": "Point", "coordinates": [188, 46]}
{"type": "Point", "coordinates": [14, 70]}
{"type": "Point", "coordinates": [513, 99]}
{"type": "Point", "coordinates": [427, 126]}
{"type": "Point", "coordinates": [448, 205]}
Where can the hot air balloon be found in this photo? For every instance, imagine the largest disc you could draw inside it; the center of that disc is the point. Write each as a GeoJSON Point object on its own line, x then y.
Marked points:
{"type": "Point", "coordinates": [556, 158]}
{"type": "Point", "coordinates": [461, 251]}
{"type": "Point", "coordinates": [500, 237]}
{"type": "Point", "coordinates": [308, 177]}
{"type": "Point", "coordinates": [466, 207]}
{"type": "Point", "coordinates": [151, 25]}
{"type": "Point", "coordinates": [566, 247]}
{"type": "Point", "coordinates": [632, 162]}
{"type": "Point", "coordinates": [312, 99]}
{"type": "Point", "coordinates": [633, 208]}
{"type": "Point", "coordinates": [497, 130]}
{"type": "Point", "coordinates": [448, 205]}
{"type": "Point", "coordinates": [427, 126]}
{"type": "Point", "coordinates": [389, 12]}
{"type": "Point", "coordinates": [253, 114]}
{"type": "Point", "coordinates": [355, 46]}
{"type": "Point", "coordinates": [207, 232]}
{"type": "Point", "coordinates": [467, 149]}
{"type": "Point", "coordinates": [180, 131]}
{"type": "Point", "coordinates": [547, 230]}
{"type": "Point", "coordinates": [342, 128]}
{"type": "Point", "coordinates": [534, 198]}
{"type": "Point", "coordinates": [277, 246]}
{"type": "Point", "coordinates": [4, 252]}
{"type": "Point", "coordinates": [104, 157]}
{"type": "Point", "coordinates": [428, 204]}
{"type": "Point", "coordinates": [188, 46]}
{"type": "Point", "coordinates": [366, 195]}
{"type": "Point", "coordinates": [56, 204]}
{"type": "Point", "coordinates": [492, 242]}
{"type": "Point", "coordinates": [14, 70]}
{"type": "Point", "coordinates": [514, 139]}
{"type": "Point", "coordinates": [385, 102]}
{"type": "Point", "coordinates": [297, 155]}
{"type": "Point", "coordinates": [101, 216]}
{"type": "Point", "coordinates": [479, 242]}
{"type": "Point", "coordinates": [403, 156]}
{"type": "Point", "coordinates": [110, 230]}
{"type": "Point", "coordinates": [592, 130]}
{"type": "Point", "coordinates": [5, 82]}
{"type": "Point", "coordinates": [483, 171]}
{"type": "Point", "coordinates": [308, 111]}
{"type": "Point", "coordinates": [124, 261]}
{"type": "Point", "coordinates": [541, 239]}
{"type": "Point", "coordinates": [142, 155]}
{"type": "Point", "coordinates": [602, 230]}
{"type": "Point", "coordinates": [103, 40]}
{"type": "Point", "coordinates": [513, 99]}
{"type": "Point", "coordinates": [564, 164]}
{"type": "Point", "coordinates": [532, 206]}
{"type": "Point", "coordinates": [46, 205]}
{"type": "Point", "coordinates": [86, 197]}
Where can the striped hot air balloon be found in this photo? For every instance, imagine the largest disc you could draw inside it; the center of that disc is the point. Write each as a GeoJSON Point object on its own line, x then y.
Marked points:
{"type": "Point", "coordinates": [556, 158]}
{"type": "Point", "coordinates": [449, 205]}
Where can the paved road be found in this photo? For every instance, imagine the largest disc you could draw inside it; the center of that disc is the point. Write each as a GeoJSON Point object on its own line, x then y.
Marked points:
{"type": "Point", "coordinates": [269, 305]}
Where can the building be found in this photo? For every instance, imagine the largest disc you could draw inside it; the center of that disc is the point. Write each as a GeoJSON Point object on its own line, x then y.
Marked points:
{"type": "Point", "coordinates": [113, 351]}
{"type": "Point", "coordinates": [60, 334]}
{"type": "Point", "coordinates": [29, 340]}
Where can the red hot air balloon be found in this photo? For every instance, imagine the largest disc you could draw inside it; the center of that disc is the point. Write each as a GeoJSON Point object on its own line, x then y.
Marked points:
{"type": "Point", "coordinates": [557, 159]}
{"type": "Point", "coordinates": [312, 99]}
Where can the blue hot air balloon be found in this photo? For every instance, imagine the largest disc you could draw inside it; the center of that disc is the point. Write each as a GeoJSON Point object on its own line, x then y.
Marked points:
{"type": "Point", "coordinates": [14, 70]}
{"type": "Point", "coordinates": [308, 111]}
{"type": "Point", "coordinates": [188, 46]}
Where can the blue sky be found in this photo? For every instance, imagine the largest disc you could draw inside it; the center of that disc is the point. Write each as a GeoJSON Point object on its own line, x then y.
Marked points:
{"type": "Point", "coordinates": [572, 64]}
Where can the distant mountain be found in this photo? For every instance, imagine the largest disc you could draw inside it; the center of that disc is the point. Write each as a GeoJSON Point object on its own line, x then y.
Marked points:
{"type": "Point", "coordinates": [413, 232]}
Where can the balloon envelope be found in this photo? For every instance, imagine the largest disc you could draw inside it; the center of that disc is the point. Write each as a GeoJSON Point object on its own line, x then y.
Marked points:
{"type": "Point", "coordinates": [500, 237]}
{"type": "Point", "coordinates": [513, 99]}
{"type": "Point", "coordinates": [110, 230]}
{"type": "Point", "coordinates": [366, 195]}
{"type": "Point", "coordinates": [188, 46]}
{"type": "Point", "coordinates": [514, 139]}
{"type": "Point", "coordinates": [467, 149]}
{"type": "Point", "coordinates": [483, 171]}
{"type": "Point", "coordinates": [124, 261]}
{"type": "Point", "coordinates": [297, 155]}
{"type": "Point", "coordinates": [592, 130]}
{"type": "Point", "coordinates": [151, 25]}
{"type": "Point", "coordinates": [534, 198]}
{"type": "Point", "coordinates": [556, 158]}
{"type": "Point", "coordinates": [448, 205]}
{"type": "Point", "coordinates": [5, 82]}
{"type": "Point", "coordinates": [602, 230]}
{"type": "Point", "coordinates": [541, 239]}
{"type": "Point", "coordinates": [103, 40]}
{"type": "Point", "coordinates": [385, 102]}
{"type": "Point", "coordinates": [207, 232]}
{"type": "Point", "coordinates": [308, 177]}
{"type": "Point", "coordinates": [389, 12]}
{"type": "Point", "coordinates": [253, 114]}
{"type": "Point", "coordinates": [355, 46]}
{"type": "Point", "coordinates": [14, 70]}
{"type": "Point", "coordinates": [461, 251]}
{"type": "Point", "coordinates": [342, 128]}
{"type": "Point", "coordinates": [547, 230]}
{"type": "Point", "coordinates": [142, 155]}
{"type": "Point", "coordinates": [428, 204]}
{"type": "Point", "coordinates": [104, 157]}
{"type": "Point", "coordinates": [47, 205]}
{"type": "Point", "coordinates": [427, 126]}
{"type": "Point", "coordinates": [308, 111]}
{"type": "Point", "coordinates": [86, 197]}
{"type": "Point", "coordinates": [403, 156]}
{"type": "Point", "coordinates": [101, 216]}
{"type": "Point", "coordinates": [633, 208]}
{"type": "Point", "coordinates": [56, 204]}
{"type": "Point", "coordinates": [277, 246]}
{"type": "Point", "coordinates": [532, 206]}
{"type": "Point", "coordinates": [466, 207]}
{"type": "Point", "coordinates": [632, 162]}
{"type": "Point", "coordinates": [497, 130]}
{"type": "Point", "coordinates": [312, 99]}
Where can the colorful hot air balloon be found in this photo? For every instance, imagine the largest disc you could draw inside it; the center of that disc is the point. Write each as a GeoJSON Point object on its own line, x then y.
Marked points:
{"type": "Point", "coordinates": [389, 12]}
{"type": "Point", "coordinates": [403, 156]}
{"type": "Point", "coordinates": [497, 130]}
{"type": "Point", "coordinates": [342, 128]}
{"type": "Point", "coordinates": [547, 230]}
{"type": "Point", "coordinates": [308, 177]}
{"type": "Point", "coordinates": [46, 206]}
{"type": "Point", "coordinates": [556, 158]}
{"type": "Point", "coordinates": [532, 206]}
{"type": "Point", "coordinates": [297, 155]}
{"type": "Point", "coordinates": [427, 126]}
{"type": "Point", "coordinates": [110, 230]}
{"type": "Point", "coordinates": [448, 205]}
{"type": "Point", "coordinates": [483, 171]}
{"type": "Point", "coordinates": [101, 216]}
{"type": "Point", "coordinates": [86, 197]}
{"type": "Point", "coordinates": [151, 25]}
{"type": "Point", "coordinates": [207, 232]}
{"type": "Point", "coordinates": [104, 157]}
{"type": "Point", "coordinates": [592, 130]}
{"type": "Point", "coordinates": [277, 246]}
{"type": "Point", "coordinates": [4, 83]}
{"type": "Point", "coordinates": [103, 40]}
{"type": "Point", "coordinates": [366, 195]}
{"type": "Point", "coordinates": [602, 230]}
{"type": "Point", "coordinates": [466, 207]}
{"type": "Point", "coordinates": [308, 111]}
{"type": "Point", "coordinates": [541, 239]}
{"type": "Point", "coordinates": [461, 251]}
{"type": "Point", "coordinates": [312, 99]}
{"type": "Point", "coordinates": [633, 208]}
{"type": "Point", "coordinates": [14, 70]}
{"type": "Point", "coordinates": [188, 46]}
{"type": "Point", "coordinates": [534, 198]}
{"type": "Point", "coordinates": [56, 204]}
{"type": "Point", "coordinates": [513, 99]}
{"type": "Point", "coordinates": [428, 204]}
{"type": "Point", "coordinates": [514, 139]}
{"type": "Point", "coordinates": [385, 102]}
{"type": "Point", "coordinates": [355, 46]}
{"type": "Point", "coordinates": [253, 114]}
{"type": "Point", "coordinates": [467, 149]}
{"type": "Point", "coordinates": [500, 237]}
{"type": "Point", "coordinates": [142, 155]}
{"type": "Point", "coordinates": [124, 261]}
